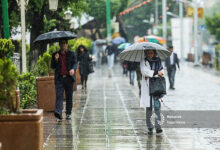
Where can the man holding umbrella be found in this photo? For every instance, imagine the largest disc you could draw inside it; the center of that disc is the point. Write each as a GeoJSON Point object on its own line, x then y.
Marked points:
{"type": "Point", "coordinates": [65, 64]}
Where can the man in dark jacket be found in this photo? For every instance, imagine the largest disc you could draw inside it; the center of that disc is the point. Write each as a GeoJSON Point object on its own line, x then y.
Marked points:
{"type": "Point", "coordinates": [65, 64]}
{"type": "Point", "coordinates": [171, 63]}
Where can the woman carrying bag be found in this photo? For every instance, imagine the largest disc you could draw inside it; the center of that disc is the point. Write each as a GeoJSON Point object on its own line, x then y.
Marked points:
{"type": "Point", "coordinates": [84, 61]}
{"type": "Point", "coordinates": [150, 67]}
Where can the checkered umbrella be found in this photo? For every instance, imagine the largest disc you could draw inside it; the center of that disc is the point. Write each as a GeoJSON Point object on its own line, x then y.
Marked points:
{"type": "Point", "coordinates": [135, 52]}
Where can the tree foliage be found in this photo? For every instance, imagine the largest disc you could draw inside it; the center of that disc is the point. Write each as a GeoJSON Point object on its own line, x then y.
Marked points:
{"type": "Point", "coordinates": [137, 22]}
{"type": "Point", "coordinates": [213, 25]}
{"type": "Point", "coordinates": [74, 44]}
{"type": "Point", "coordinates": [97, 9]}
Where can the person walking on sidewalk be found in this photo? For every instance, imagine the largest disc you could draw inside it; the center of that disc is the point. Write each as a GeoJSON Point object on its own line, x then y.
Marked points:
{"type": "Point", "coordinates": [138, 73]}
{"type": "Point", "coordinates": [132, 66]}
{"type": "Point", "coordinates": [170, 64]}
{"type": "Point", "coordinates": [84, 60]}
{"type": "Point", "coordinates": [110, 53]}
{"type": "Point", "coordinates": [65, 63]}
{"type": "Point", "coordinates": [151, 66]}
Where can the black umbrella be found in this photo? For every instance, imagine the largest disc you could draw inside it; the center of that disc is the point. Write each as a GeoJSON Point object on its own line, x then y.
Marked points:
{"type": "Point", "coordinates": [55, 36]}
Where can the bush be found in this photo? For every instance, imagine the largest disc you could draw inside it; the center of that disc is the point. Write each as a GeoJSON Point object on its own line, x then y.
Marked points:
{"type": "Point", "coordinates": [43, 64]}
{"type": "Point", "coordinates": [54, 48]}
{"type": "Point", "coordinates": [6, 48]}
{"type": "Point", "coordinates": [8, 77]}
{"type": "Point", "coordinates": [8, 81]}
{"type": "Point", "coordinates": [74, 44]}
{"type": "Point", "coordinates": [28, 92]}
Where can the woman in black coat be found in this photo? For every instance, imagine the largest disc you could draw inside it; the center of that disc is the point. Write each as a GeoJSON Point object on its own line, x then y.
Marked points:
{"type": "Point", "coordinates": [83, 60]}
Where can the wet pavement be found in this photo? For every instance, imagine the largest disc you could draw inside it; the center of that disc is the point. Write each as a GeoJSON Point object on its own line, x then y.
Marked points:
{"type": "Point", "coordinates": [107, 117]}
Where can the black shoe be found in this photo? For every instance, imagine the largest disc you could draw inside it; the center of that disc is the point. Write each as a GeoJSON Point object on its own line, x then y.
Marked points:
{"type": "Point", "coordinates": [68, 117]}
{"type": "Point", "coordinates": [150, 131]}
{"type": "Point", "coordinates": [159, 132]}
{"type": "Point", "coordinates": [58, 115]}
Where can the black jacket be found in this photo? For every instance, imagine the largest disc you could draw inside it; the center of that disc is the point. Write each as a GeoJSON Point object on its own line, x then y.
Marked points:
{"type": "Point", "coordinates": [132, 66]}
{"type": "Point", "coordinates": [176, 61]}
{"type": "Point", "coordinates": [71, 61]}
{"type": "Point", "coordinates": [84, 61]}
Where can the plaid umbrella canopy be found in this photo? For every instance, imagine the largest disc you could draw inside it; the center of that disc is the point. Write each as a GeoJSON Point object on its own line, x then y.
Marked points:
{"type": "Point", "coordinates": [135, 52]}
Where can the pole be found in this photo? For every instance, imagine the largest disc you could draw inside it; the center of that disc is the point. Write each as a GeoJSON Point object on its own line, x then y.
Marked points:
{"type": "Point", "coordinates": [181, 29]}
{"type": "Point", "coordinates": [196, 61]}
{"type": "Point", "coordinates": [108, 20]}
{"type": "Point", "coordinates": [24, 69]}
{"type": "Point", "coordinates": [5, 19]}
{"type": "Point", "coordinates": [165, 21]}
{"type": "Point", "coordinates": [156, 15]}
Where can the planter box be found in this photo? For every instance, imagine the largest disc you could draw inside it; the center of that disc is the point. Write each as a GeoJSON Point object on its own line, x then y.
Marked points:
{"type": "Point", "coordinates": [206, 58]}
{"type": "Point", "coordinates": [190, 57]}
{"type": "Point", "coordinates": [22, 131]}
{"type": "Point", "coordinates": [46, 94]}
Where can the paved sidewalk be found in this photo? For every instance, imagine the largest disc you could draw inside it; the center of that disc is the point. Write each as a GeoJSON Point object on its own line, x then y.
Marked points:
{"type": "Point", "coordinates": [107, 117]}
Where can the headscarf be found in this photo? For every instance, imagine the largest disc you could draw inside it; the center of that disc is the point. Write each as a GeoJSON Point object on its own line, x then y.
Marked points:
{"type": "Point", "coordinates": [155, 63]}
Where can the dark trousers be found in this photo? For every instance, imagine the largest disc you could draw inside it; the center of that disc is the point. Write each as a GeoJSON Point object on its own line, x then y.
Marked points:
{"type": "Point", "coordinates": [61, 84]}
{"type": "Point", "coordinates": [84, 79]}
{"type": "Point", "coordinates": [139, 76]}
{"type": "Point", "coordinates": [171, 75]}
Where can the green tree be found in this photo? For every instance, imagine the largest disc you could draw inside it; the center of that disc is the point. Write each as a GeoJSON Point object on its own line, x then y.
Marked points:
{"type": "Point", "coordinates": [40, 19]}
{"type": "Point", "coordinates": [137, 21]}
{"type": "Point", "coordinates": [213, 25]}
{"type": "Point", "coordinates": [97, 9]}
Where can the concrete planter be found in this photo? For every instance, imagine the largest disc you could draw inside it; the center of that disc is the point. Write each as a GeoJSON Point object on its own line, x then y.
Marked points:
{"type": "Point", "coordinates": [22, 131]}
{"type": "Point", "coordinates": [46, 94]}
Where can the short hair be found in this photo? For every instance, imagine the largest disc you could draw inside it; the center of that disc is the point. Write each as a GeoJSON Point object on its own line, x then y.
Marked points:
{"type": "Point", "coordinates": [171, 46]}
{"type": "Point", "coordinates": [66, 41]}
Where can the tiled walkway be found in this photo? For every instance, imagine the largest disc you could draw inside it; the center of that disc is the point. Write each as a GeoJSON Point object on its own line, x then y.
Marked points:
{"type": "Point", "coordinates": [107, 117]}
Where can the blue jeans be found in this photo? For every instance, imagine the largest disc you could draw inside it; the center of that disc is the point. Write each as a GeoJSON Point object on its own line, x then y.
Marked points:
{"type": "Point", "coordinates": [111, 59]}
{"type": "Point", "coordinates": [131, 76]}
{"type": "Point", "coordinates": [61, 84]}
{"type": "Point", "coordinates": [149, 112]}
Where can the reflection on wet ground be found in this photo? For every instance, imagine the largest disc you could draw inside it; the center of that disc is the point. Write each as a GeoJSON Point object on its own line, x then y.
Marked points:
{"type": "Point", "coordinates": [107, 117]}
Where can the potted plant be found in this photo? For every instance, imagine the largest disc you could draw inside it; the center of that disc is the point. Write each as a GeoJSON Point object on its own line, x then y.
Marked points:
{"type": "Point", "coordinates": [217, 57]}
{"type": "Point", "coordinates": [19, 129]}
{"type": "Point", "coordinates": [46, 95]}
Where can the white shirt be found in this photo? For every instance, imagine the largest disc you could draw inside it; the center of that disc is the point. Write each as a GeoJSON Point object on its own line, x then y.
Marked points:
{"type": "Point", "coordinates": [172, 59]}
